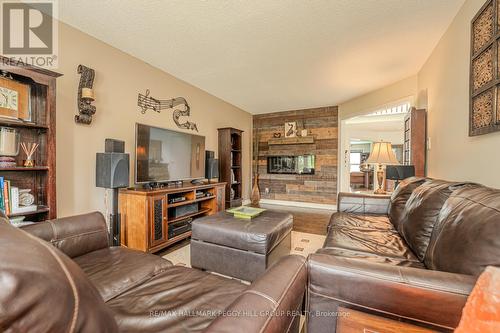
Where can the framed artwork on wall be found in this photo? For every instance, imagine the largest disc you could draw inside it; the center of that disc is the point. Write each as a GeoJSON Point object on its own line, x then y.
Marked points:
{"type": "Point", "coordinates": [484, 102]}
{"type": "Point", "coordinates": [290, 129]}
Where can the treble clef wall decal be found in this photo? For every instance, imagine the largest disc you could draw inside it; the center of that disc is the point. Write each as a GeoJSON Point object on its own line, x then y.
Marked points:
{"type": "Point", "coordinates": [147, 102]}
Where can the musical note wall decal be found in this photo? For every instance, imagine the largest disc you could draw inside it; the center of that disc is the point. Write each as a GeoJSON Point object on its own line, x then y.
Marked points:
{"type": "Point", "coordinates": [147, 102]}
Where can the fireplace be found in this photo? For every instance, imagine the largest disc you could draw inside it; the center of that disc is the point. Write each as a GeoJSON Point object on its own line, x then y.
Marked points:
{"type": "Point", "coordinates": [301, 164]}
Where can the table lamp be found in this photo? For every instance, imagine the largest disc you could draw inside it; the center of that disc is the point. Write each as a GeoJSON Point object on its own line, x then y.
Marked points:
{"type": "Point", "coordinates": [381, 154]}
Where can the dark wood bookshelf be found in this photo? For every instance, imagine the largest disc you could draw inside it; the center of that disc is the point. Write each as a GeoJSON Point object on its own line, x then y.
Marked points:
{"type": "Point", "coordinates": [230, 145]}
{"type": "Point", "coordinates": [40, 168]}
{"type": "Point", "coordinates": [40, 179]}
{"type": "Point", "coordinates": [40, 210]}
{"type": "Point", "coordinates": [12, 123]}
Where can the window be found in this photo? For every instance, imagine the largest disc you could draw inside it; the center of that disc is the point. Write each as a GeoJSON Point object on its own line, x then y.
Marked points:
{"type": "Point", "coordinates": [397, 109]}
{"type": "Point", "coordinates": [355, 161]}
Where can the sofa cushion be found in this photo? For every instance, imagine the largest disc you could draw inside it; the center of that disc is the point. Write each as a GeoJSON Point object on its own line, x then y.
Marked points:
{"type": "Point", "coordinates": [372, 257]}
{"type": "Point", "coordinates": [378, 222]}
{"type": "Point", "coordinates": [399, 198]}
{"type": "Point", "coordinates": [178, 300]}
{"type": "Point", "coordinates": [75, 235]}
{"type": "Point", "coordinates": [421, 213]}
{"type": "Point", "coordinates": [116, 269]}
{"type": "Point", "coordinates": [378, 242]}
{"type": "Point", "coordinates": [42, 290]}
{"type": "Point", "coordinates": [466, 238]}
{"type": "Point", "coordinates": [260, 234]}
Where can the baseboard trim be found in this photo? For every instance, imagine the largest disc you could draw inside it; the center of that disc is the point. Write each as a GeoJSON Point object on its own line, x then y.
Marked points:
{"type": "Point", "coordinates": [298, 204]}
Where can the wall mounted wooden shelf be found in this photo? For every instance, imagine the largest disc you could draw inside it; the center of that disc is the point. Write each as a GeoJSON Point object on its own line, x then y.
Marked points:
{"type": "Point", "coordinates": [291, 141]}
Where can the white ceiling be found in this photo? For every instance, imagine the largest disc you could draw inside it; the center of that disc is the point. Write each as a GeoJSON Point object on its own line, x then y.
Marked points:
{"type": "Point", "coordinates": [267, 56]}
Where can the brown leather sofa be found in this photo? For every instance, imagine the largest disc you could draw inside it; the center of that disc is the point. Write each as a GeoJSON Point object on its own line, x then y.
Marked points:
{"type": "Point", "coordinates": [413, 256]}
{"type": "Point", "coordinates": [68, 279]}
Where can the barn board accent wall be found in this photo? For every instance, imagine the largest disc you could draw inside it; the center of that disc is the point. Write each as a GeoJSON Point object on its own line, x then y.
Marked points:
{"type": "Point", "coordinates": [322, 125]}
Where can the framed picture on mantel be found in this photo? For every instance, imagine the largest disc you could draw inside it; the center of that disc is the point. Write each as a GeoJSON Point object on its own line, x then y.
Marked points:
{"type": "Point", "coordinates": [290, 129]}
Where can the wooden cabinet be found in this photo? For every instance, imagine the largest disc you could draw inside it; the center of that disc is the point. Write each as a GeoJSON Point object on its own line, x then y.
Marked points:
{"type": "Point", "coordinates": [158, 231]}
{"type": "Point", "coordinates": [230, 172]}
{"type": "Point", "coordinates": [351, 321]}
{"type": "Point", "coordinates": [148, 215]}
{"type": "Point", "coordinates": [415, 136]}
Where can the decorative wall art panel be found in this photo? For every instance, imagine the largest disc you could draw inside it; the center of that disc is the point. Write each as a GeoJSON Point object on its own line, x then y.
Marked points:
{"type": "Point", "coordinates": [482, 69]}
{"type": "Point", "coordinates": [482, 27]}
{"type": "Point", "coordinates": [498, 106]}
{"type": "Point", "coordinates": [484, 111]}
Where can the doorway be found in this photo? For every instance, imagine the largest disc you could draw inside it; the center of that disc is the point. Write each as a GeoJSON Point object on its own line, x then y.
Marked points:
{"type": "Point", "coordinates": [357, 136]}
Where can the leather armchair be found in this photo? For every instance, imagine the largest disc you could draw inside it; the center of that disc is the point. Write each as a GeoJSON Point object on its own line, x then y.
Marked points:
{"type": "Point", "coordinates": [130, 291]}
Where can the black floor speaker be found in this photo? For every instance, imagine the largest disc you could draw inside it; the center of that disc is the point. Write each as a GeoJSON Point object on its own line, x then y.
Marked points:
{"type": "Point", "coordinates": [112, 170]}
{"type": "Point", "coordinates": [211, 165]}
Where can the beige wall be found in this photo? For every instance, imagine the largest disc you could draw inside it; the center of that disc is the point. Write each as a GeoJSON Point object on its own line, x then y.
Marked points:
{"type": "Point", "coordinates": [406, 88]}
{"type": "Point", "coordinates": [119, 78]}
{"type": "Point", "coordinates": [443, 84]}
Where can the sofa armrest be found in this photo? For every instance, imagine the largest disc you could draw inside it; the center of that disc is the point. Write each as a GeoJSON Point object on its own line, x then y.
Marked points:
{"type": "Point", "coordinates": [74, 235]}
{"type": "Point", "coordinates": [363, 203]}
{"type": "Point", "coordinates": [423, 296]}
{"type": "Point", "coordinates": [272, 303]}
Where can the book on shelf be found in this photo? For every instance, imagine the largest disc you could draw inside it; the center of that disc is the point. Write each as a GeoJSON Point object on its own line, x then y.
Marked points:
{"type": "Point", "coordinates": [6, 196]}
{"type": "Point", "coordinates": [9, 199]}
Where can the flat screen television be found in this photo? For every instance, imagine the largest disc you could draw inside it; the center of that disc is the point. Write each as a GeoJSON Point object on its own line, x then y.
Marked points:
{"type": "Point", "coordinates": [163, 155]}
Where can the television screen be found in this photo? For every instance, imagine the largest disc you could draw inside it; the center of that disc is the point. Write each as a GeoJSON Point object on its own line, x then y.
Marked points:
{"type": "Point", "coordinates": [165, 155]}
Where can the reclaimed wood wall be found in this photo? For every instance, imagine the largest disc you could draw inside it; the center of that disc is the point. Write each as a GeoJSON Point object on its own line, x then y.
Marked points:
{"type": "Point", "coordinates": [322, 124]}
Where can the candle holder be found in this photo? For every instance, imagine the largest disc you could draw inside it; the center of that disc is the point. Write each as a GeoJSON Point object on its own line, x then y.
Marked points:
{"type": "Point", "coordinates": [85, 95]}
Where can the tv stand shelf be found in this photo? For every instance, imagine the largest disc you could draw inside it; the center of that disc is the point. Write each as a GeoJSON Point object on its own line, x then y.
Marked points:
{"type": "Point", "coordinates": [144, 213]}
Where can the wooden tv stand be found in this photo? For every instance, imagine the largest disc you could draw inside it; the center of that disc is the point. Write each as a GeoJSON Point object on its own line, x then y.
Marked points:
{"type": "Point", "coordinates": [146, 214]}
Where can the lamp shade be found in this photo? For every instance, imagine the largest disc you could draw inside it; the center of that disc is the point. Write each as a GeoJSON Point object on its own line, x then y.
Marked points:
{"type": "Point", "coordinates": [382, 154]}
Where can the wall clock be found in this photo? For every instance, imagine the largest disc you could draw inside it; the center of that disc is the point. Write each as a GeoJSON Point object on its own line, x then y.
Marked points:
{"type": "Point", "coordinates": [9, 99]}
{"type": "Point", "coordinates": [14, 99]}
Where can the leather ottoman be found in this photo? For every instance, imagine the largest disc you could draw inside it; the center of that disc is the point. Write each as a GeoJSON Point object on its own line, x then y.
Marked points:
{"type": "Point", "coordinates": [238, 247]}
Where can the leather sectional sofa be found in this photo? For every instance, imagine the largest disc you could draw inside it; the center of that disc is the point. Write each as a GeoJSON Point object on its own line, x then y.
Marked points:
{"type": "Point", "coordinates": [414, 256]}
{"type": "Point", "coordinates": [68, 279]}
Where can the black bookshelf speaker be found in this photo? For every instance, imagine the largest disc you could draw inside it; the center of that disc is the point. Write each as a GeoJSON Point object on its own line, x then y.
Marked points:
{"type": "Point", "coordinates": [112, 170]}
{"type": "Point", "coordinates": [114, 146]}
{"type": "Point", "coordinates": [211, 165]}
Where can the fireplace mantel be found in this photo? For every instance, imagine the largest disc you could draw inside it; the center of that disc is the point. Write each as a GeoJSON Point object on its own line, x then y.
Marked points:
{"type": "Point", "coordinates": [292, 141]}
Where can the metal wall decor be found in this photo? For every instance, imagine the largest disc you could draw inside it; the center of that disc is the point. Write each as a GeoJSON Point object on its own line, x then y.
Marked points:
{"type": "Point", "coordinates": [146, 102]}
{"type": "Point", "coordinates": [484, 104]}
{"type": "Point", "coordinates": [85, 95]}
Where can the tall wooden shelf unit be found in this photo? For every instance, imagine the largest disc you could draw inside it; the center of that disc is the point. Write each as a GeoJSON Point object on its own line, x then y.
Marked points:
{"type": "Point", "coordinates": [230, 150]}
{"type": "Point", "coordinates": [415, 136]}
{"type": "Point", "coordinates": [41, 179]}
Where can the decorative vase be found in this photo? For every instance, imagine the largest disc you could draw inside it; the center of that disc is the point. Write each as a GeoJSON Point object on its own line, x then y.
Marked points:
{"type": "Point", "coordinates": [255, 197]}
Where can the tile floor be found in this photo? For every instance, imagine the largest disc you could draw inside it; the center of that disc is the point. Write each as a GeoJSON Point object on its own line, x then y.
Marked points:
{"type": "Point", "coordinates": [302, 244]}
